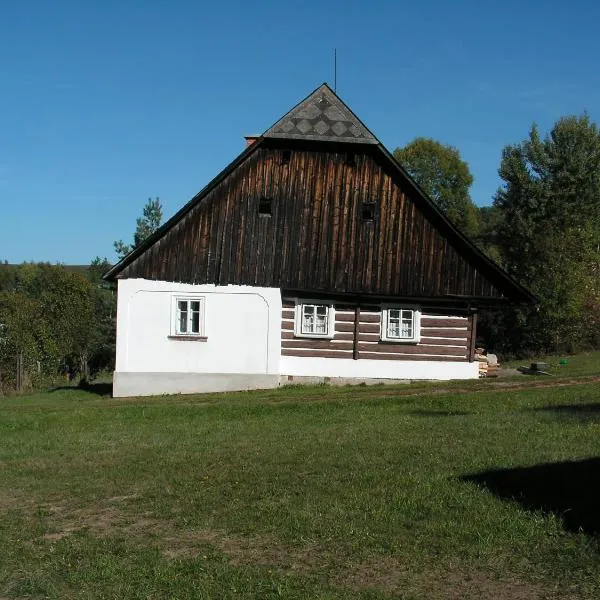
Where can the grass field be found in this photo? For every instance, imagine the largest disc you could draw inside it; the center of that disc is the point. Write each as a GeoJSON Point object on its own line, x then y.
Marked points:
{"type": "Point", "coordinates": [585, 363]}
{"type": "Point", "coordinates": [456, 491]}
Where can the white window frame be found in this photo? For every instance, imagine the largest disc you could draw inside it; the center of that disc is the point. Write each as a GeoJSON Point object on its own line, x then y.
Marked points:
{"type": "Point", "coordinates": [298, 321]}
{"type": "Point", "coordinates": [175, 320]}
{"type": "Point", "coordinates": [416, 316]}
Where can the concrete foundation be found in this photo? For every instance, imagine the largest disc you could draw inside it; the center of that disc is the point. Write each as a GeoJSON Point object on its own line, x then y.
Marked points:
{"type": "Point", "coordinates": [310, 380]}
{"type": "Point", "coordinates": [127, 385]}
{"type": "Point", "coordinates": [155, 384]}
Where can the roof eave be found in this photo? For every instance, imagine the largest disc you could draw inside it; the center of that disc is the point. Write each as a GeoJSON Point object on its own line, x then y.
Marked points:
{"type": "Point", "coordinates": [113, 273]}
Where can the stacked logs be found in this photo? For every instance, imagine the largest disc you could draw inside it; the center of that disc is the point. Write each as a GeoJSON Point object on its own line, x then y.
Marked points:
{"type": "Point", "coordinates": [488, 363]}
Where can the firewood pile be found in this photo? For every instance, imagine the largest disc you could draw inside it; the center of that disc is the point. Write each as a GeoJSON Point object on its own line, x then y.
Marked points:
{"type": "Point", "coordinates": [488, 363]}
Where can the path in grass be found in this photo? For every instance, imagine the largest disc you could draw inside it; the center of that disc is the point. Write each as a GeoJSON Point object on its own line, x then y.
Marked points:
{"type": "Point", "coordinates": [303, 493]}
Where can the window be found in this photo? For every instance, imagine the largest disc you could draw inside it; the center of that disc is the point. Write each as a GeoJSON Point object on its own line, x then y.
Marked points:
{"type": "Point", "coordinates": [188, 317]}
{"type": "Point", "coordinates": [399, 324]}
{"type": "Point", "coordinates": [265, 207]}
{"type": "Point", "coordinates": [368, 210]}
{"type": "Point", "coordinates": [314, 320]}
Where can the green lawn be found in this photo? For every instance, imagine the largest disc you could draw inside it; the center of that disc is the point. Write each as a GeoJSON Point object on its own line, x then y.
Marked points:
{"type": "Point", "coordinates": [585, 363]}
{"type": "Point", "coordinates": [455, 491]}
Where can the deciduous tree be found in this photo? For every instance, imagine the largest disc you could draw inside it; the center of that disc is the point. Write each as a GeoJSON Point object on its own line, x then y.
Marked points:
{"type": "Point", "coordinates": [444, 176]}
{"type": "Point", "coordinates": [549, 231]}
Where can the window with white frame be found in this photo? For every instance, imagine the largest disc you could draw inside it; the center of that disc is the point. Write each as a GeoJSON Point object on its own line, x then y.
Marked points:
{"type": "Point", "coordinates": [188, 316]}
{"type": "Point", "coordinates": [314, 320]}
{"type": "Point", "coordinates": [400, 324]}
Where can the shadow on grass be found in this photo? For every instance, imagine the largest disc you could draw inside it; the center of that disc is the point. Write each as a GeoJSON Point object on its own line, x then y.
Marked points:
{"type": "Point", "coordinates": [99, 388]}
{"type": "Point", "coordinates": [580, 412]}
{"type": "Point", "coordinates": [438, 413]}
{"type": "Point", "coordinates": [568, 489]}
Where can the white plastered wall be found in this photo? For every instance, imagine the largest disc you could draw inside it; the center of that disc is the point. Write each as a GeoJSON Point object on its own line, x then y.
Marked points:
{"type": "Point", "coordinates": [346, 368]}
{"type": "Point", "coordinates": [242, 348]}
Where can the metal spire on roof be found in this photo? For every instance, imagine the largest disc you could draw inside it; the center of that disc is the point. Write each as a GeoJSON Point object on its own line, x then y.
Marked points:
{"type": "Point", "coordinates": [335, 71]}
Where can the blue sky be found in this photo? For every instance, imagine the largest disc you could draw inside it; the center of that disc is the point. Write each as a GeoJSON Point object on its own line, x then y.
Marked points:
{"type": "Point", "coordinates": [105, 103]}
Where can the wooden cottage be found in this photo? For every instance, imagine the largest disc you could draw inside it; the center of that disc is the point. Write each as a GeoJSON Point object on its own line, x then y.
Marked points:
{"type": "Point", "coordinates": [312, 257]}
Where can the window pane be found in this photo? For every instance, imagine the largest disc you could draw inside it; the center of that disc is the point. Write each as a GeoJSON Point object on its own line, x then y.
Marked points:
{"type": "Point", "coordinates": [308, 318]}
{"type": "Point", "coordinates": [321, 322]}
{"type": "Point", "coordinates": [407, 324]}
{"type": "Point", "coordinates": [393, 322]}
{"type": "Point", "coordinates": [195, 322]}
{"type": "Point", "coordinates": [182, 317]}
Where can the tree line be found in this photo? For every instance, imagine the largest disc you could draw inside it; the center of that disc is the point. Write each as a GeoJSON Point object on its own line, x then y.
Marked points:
{"type": "Point", "coordinates": [57, 322]}
{"type": "Point", "coordinates": [543, 228]}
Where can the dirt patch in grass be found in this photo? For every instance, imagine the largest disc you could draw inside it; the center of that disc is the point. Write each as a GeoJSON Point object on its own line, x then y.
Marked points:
{"type": "Point", "coordinates": [494, 386]}
{"type": "Point", "coordinates": [112, 517]}
{"type": "Point", "coordinates": [250, 550]}
{"type": "Point", "coordinates": [365, 393]}
{"type": "Point", "coordinates": [106, 518]}
{"type": "Point", "coordinates": [388, 575]}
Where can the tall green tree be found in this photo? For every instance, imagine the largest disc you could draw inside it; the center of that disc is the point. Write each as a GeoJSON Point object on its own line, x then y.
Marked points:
{"type": "Point", "coordinates": [445, 177]}
{"type": "Point", "coordinates": [549, 231]}
{"type": "Point", "coordinates": [146, 225]}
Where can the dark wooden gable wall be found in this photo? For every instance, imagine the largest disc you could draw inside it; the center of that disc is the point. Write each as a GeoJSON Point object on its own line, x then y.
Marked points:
{"type": "Point", "coordinates": [316, 239]}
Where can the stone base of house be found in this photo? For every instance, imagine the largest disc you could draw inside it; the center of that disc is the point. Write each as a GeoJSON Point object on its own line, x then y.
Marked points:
{"type": "Point", "coordinates": [126, 384]}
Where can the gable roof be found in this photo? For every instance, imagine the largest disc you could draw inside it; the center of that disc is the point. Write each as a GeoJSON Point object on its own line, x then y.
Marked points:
{"type": "Point", "coordinates": [320, 105]}
{"type": "Point", "coordinates": [321, 116]}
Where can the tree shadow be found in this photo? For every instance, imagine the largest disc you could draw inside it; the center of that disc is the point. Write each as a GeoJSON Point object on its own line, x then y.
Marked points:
{"type": "Point", "coordinates": [568, 489]}
{"type": "Point", "coordinates": [580, 412]}
{"type": "Point", "coordinates": [438, 413]}
{"type": "Point", "coordinates": [98, 388]}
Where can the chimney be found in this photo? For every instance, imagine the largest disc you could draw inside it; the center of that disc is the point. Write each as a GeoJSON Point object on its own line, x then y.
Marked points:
{"type": "Point", "coordinates": [250, 139]}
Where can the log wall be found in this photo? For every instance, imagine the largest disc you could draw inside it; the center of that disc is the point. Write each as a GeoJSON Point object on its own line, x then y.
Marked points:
{"type": "Point", "coordinates": [315, 236]}
{"type": "Point", "coordinates": [443, 337]}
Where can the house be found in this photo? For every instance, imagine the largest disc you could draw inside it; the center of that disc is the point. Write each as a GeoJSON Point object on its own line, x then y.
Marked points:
{"type": "Point", "coordinates": [312, 257]}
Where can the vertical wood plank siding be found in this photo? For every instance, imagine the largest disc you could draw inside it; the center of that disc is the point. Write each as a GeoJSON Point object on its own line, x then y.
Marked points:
{"type": "Point", "coordinates": [315, 239]}
{"type": "Point", "coordinates": [443, 337]}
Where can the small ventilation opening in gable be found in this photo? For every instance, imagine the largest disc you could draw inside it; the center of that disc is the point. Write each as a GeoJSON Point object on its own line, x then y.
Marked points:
{"type": "Point", "coordinates": [286, 157]}
{"type": "Point", "coordinates": [368, 211]}
{"type": "Point", "coordinates": [350, 159]}
{"type": "Point", "coordinates": [265, 207]}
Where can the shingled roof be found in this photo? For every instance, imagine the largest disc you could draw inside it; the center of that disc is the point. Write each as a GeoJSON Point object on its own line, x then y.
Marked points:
{"type": "Point", "coordinates": [322, 116]}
